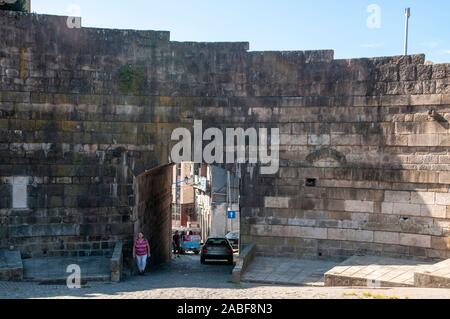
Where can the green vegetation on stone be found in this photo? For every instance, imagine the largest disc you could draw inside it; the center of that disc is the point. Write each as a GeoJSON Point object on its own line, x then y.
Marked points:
{"type": "Point", "coordinates": [131, 79]}
{"type": "Point", "coordinates": [18, 5]}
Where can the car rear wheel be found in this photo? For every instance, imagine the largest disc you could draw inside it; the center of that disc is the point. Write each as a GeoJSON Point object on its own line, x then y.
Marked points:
{"type": "Point", "coordinates": [196, 252]}
{"type": "Point", "coordinates": [202, 260]}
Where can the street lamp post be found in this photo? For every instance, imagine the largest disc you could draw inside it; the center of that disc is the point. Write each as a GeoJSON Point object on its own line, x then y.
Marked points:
{"type": "Point", "coordinates": [407, 16]}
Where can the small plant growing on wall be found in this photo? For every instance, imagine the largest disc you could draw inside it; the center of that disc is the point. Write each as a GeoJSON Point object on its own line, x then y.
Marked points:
{"type": "Point", "coordinates": [131, 79]}
{"type": "Point", "coordinates": [12, 5]}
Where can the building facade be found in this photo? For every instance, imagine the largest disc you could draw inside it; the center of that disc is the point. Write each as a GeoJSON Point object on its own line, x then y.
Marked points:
{"type": "Point", "coordinates": [183, 198]}
{"type": "Point", "coordinates": [225, 197]}
{"type": "Point", "coordinates": [202, 187]}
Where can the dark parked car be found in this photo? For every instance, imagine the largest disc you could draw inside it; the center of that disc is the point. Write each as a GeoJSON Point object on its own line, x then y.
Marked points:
{"type": "Point", "coordinates": [217, 249]}
{"type": "Point", "coordinates": [233, 238]}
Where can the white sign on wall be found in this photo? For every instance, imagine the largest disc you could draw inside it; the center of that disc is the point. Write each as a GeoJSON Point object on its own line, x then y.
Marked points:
{"type": "Point", "coordinates": [19, 192]}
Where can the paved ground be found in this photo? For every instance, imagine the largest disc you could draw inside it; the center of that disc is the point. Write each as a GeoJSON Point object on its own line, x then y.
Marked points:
{"type": "Point", "coordinates": [288, 271]}
{"type": "Point", "coordinates": [186, 278]}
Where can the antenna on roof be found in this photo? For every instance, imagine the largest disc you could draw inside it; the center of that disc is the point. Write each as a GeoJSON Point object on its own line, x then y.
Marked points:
{"type": "Point", "coordinates": [407, 16]}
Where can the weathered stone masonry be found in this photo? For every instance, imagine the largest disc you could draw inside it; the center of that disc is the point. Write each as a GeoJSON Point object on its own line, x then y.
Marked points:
{"type": "Point", "coordinates": [84, 111]}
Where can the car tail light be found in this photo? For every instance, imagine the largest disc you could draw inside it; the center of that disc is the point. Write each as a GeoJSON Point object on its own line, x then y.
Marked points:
{"type": "Point", "coordinates": [230, 250]}
{"type": "Point", "coordinates": [204, 249]}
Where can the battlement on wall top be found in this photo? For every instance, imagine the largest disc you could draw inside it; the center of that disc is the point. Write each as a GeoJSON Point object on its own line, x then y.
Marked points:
{"type": "Point", "coordinates": [20, 20]}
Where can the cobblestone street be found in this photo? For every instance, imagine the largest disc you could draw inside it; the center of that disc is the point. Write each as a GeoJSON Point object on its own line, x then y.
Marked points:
{"type": "Point", "coordinates": [187, 278]}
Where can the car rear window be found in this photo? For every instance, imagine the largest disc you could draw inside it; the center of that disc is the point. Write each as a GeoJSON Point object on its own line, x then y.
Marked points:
{"type": "Point", "coordinates": [217, 242]}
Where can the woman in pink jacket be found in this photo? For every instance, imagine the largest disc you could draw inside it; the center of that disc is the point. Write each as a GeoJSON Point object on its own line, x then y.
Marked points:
{"type": "Point", "coordinates": [141, 252]}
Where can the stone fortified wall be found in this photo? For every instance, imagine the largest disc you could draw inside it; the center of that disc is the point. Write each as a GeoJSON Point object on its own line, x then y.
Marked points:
{"type": "Point", "coordinates": [85, 111]}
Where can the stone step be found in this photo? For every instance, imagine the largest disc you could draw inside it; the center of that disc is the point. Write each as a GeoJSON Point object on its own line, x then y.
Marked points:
{"type": "Point", "coordinates": [288, 271]}
{"type": "Point", "coordinates": [11, 267]}
{"type": "Point", "coordinates": [375, 272]}
{"type": "Point", "coordinates": [435, 276]}
{"type": "Point", "coordinates": [54, 270]}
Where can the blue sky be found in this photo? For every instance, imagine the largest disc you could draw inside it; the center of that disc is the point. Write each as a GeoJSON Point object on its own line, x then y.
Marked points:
{"type": "Point", "coordinates": [278, 24]}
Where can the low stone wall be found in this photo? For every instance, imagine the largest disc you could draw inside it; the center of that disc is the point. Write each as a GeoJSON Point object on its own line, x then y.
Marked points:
{"type": "Point", "coordinates": [437, 276]}
{"type": "Point", "coordinates": [244, 260]}
{"type": "Point", "coordinates": [11, 266]}
{"type": "Point", "coordinates": [117, 263]}
{"type": "Point", "coordinates": [424, 280]}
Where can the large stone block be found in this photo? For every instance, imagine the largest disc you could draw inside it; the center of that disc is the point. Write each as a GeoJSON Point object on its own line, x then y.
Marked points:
{"type": "Point", "coordinates": [19, 231]}
{"type": "Point", "coordinates": [276, 202]}
{"type": "Point", "coordinates": [350, 235]}
{"type": "Point", "coordinates": [439, 71]}
{"type": "Point", "coordinates": [440, 243]}
{"type": "Point", "coordinates": [443, 199]}
{"type": "Point", "coordinates": [426, 198]}
{"type": "Point", "coordinates": [415, 240]}
{"type": "Point", "coordinates": [424, 72]}
{"type": "Point", "coordinates": [423, 140]}
{"type": "Point", "coordinates": [406, 209]}
{"type": "Point", "coordinates": [54, 230]}
{"type": "Point", "coordinates": [386, 237]}
{"type": "Point", "coordinates": [421, 100]}
{"type": "Point", "coordinates": [397, 197]}
{"type": "Point", "coordinates": [435, 211]}
{"type": "Point", "coordinates": [308, 232]}
{"type": "Point", "coordinates": [444, 177]}
{"type": "Point", "coordinates": [407, 72]}
{"type": "Point", "coordinates": [319, 140]}
{"type": "Point", "coordinates": [288, 139]}
{"type": "Point", "coordinates": [387, 208]}
{"type": "Point", "coordinates": [359, 206]}
{"type": "Point", "coordinates": [346, 139]}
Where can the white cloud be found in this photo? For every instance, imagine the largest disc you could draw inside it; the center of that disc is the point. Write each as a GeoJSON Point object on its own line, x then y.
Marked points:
{"type": "Point", "coordinates": [446, 51]}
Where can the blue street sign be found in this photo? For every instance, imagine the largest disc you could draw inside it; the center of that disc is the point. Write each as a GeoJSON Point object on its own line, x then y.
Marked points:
{"type": "Point", "coordinates": [231, 214]}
